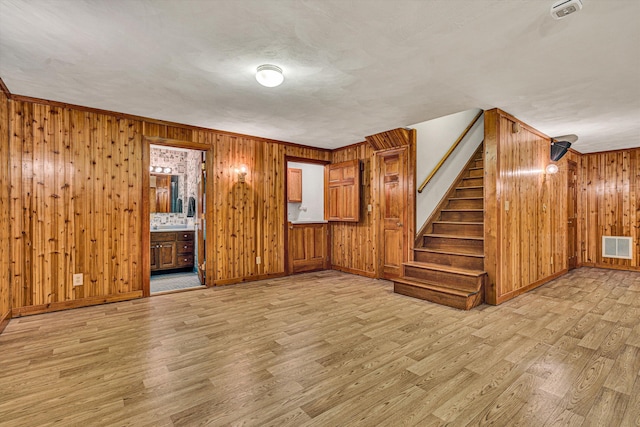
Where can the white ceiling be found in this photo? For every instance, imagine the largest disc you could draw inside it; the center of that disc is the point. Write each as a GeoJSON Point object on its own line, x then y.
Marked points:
{"type": "Point", "coordinates": [352, 68]}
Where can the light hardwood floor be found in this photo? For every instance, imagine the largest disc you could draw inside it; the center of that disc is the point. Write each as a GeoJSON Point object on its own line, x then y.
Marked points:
{"type": "Point", "coordinates": [331, 349]}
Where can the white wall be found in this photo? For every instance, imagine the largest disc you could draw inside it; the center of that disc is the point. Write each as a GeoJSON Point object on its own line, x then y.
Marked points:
{"type": "Point", "coordinates": [312, 206]}
{"type": "Point", "coordinates": [433, 140]}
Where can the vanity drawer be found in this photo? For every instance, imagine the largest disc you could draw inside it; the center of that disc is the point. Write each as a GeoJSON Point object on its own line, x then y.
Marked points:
{"type": "Point", "coordinates": [184, 248]}
{"type": "Point", "coordinates": [184, 235]}
{"type": "Point", "coordinates": [163, 236]}
{"type": "Point", "coordinates": [185, 260]}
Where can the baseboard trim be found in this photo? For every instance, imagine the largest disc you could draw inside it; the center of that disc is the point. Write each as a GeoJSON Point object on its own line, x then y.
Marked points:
{"type": "Point", "coordinates": [354, 271]}
{"type": "Point", "coordinates": [66, 305]}
{"type": "Point", "coordinates": [609, 266]}
{"type": "Point", "coordinates": [236, 280]}
{"type": "Point", "coordinates": [515, 293]}
{"type": "Point", "coordinates": [4, 320]}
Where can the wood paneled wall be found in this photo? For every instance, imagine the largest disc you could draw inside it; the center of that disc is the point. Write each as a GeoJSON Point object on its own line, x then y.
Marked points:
{"type": "Point", "coordinates": [609, 205]}
{"type": "Point", "coordinates": [5, 288]}
{"type": "Point", "coordinates": [525, 209]}
{"type": "Point", "coordinates": [75, 192]}
{"type": "Point", "coordinates": [76, 185]}
{"type": "Point", "coordinates": [354, 247]}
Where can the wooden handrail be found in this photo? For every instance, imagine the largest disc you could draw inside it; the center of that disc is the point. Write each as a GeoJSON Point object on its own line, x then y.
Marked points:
{"type": "Point", "coordinates": [448, 153]}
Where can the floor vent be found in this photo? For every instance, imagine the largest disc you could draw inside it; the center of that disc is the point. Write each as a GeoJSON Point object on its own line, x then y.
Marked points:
{"type": "Point", "coordinates": [616, 247]}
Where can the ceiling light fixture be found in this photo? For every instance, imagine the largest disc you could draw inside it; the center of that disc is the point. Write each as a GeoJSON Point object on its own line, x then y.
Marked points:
{"type": "Point", "coordinates": [269, 75]}
{"type": "Point", "coordinates": [551, 168]}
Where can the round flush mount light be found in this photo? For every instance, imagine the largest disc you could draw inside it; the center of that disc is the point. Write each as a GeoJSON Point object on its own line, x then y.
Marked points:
{"type": "Point", "coordinates": [269, 75]}
{"type": "Point", "coordinates": [551, 168]}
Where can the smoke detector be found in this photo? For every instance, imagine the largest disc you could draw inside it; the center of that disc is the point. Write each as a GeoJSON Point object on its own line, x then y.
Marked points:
{"type": "Point", "coordinates": [562, 8]}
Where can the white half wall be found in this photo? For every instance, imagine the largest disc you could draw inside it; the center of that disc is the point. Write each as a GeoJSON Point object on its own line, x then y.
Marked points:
{"type": "Point", "coordinates": [312, 206]}
{"type": "Point", "coordinates": [433, 140]}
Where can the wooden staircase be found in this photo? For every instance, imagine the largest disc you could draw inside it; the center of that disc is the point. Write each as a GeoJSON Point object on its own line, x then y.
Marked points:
{"type": "Point", "coordinates": [448, 265]}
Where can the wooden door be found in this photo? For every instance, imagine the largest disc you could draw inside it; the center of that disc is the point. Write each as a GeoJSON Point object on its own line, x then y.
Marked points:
{"type": "Point", "coordinates": [393, 212]}
{"type": "Point", "coordinates": [308, 247]}
{"type": "Point", "coordinates": [572, 216]}
{"type": "Point", "coordinates": [201, 223]}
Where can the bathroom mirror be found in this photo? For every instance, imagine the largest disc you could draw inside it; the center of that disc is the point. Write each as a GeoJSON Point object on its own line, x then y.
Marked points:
{"type": "Point", "coordinates": [165, 193]}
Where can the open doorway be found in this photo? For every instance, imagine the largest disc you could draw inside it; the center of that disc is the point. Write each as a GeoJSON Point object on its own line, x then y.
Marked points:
{"type": "Point", "coordinates": [175, 176]}
{"type": "Point", "coordinates": [307, 230]}
{"type": "Point", "coordinates": [174, 201]}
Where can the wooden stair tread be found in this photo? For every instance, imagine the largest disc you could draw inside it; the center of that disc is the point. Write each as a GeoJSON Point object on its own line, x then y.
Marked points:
{"type": "Point", "coordinates": [462, 210]}
{"type": "Point", "coordinates": [448, 252]}
{"type": "Point", "coordinates": [435, 287]}
{"type": "Point", "coordinates": [471, 187]}
{"type": "Point", "coordinates": [460, 222]}
{"type": "Point", "coordinates": [453, 236]}
{"type": "Point", "coordinates": [445, 268]}
{"type": "Point", "coordinates": [466, 198]}
{"type": "Point", "coordinates": [475, 168]}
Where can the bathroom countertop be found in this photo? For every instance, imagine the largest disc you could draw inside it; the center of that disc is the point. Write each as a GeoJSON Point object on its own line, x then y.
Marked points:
{"type": "Point", "coordinates": [309, 221]}
{"type": "Point", "coordinates": [163, 230]}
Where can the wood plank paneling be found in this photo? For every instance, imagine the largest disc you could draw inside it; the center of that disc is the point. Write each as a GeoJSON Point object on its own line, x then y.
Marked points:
{"type": "Point", "coordinates": [609, 205]}
{"type": "Point", "coordinates": [354, 246]}
{"type": "Point", "coordinates": [5, 254]}
{"type": "Point", "coordinates": [525, 209]}
{"type": "Point", "coordinates": [74, 206]}
{"type": "Point", "coordinates": [390, 139]}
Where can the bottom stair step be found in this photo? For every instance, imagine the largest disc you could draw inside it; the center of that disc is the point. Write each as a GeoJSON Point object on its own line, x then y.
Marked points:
{"type": "Point", "coordinates": [439, 294]}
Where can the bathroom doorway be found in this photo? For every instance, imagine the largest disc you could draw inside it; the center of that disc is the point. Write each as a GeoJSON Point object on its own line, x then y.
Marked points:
{"type": "Point", "coordinates": [174, 201]}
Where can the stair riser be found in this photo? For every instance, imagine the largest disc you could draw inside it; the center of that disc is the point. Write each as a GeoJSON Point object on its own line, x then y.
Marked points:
{"type": "Point", "coordinates": [472, 182]}
{"type": "Point", "coordinates": [478, 164]}
{"type": "Point", "coordinates": [458, 261]}
{"type": "Point", "coordinates": [476, 172]}
{"type": "Point", "coordinates": [444, 278]}
{"type": "Point", "coordinates": [454, 301]}
{"type": "Point", "coordinates": [469, 192]}
{"type": "Point", "coordinates": [473, 230]}
{"type": "Point", "coordinates": [465, 204]}
{"type": "Point", "coordinates": [454, 245]}
{"type": "Point", "coordinates": [462, 216]}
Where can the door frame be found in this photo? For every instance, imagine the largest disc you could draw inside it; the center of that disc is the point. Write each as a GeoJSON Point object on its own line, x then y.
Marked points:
{"type": "Point", "coordinates": [408, 231]}
{"type": "Point", "coordinates": [287, 159]}
{"type": "Point", "coordinates": [147, 141]}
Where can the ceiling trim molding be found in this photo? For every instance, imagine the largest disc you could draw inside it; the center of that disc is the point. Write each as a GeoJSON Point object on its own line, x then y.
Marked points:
{"type": "Point", "coordinates": [5, 89]}
{"type": "Point", "coordinates": [22, 98]}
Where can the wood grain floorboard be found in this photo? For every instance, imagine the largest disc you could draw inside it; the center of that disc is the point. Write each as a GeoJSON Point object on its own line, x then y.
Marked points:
{"type": "Point", "coordinates": [331, 349]}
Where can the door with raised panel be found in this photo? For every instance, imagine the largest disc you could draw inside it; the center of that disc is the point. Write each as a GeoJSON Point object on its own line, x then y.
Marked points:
{"type": "Point", "coordinates": [393, 211]}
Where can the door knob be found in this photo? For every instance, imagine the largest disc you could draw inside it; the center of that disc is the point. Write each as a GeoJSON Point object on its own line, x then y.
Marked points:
{"type": "Point", "coordinates": [399, 224]}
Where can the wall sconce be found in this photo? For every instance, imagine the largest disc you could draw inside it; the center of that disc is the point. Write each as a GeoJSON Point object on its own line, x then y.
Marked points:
{"type": "Point", "coordinates": [551, 168]}
{"type": "Point", "coordinates": [241, 171]}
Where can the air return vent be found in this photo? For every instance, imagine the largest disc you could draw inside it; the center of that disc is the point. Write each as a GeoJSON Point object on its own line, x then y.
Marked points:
{"type": "Point", "coordinates": [616, 247]}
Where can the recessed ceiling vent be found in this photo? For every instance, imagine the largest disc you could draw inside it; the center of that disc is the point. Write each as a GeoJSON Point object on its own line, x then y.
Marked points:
{"type": "Point", "coordinates": [563, 8]}
{"type": "Point", "coordinates": [617, 247]}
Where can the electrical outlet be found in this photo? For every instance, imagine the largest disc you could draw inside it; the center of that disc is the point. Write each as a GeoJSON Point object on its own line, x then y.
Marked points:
{"type": "Point", "coordinates": [506, 205]}
{"type": "Point", "coordinates": [369, 208]}
{"type": "Point", "coordinates": [258, 260]}
{"type": "Point", "coordinates": [77, 279]}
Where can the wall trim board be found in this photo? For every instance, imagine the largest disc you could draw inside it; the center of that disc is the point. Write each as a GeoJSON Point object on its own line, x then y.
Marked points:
{"type": "Point", "coordinates": [4, 320]}
{"type": "Point", "coordinates": [236, 280]}
{"type": "Point", "coordinates": [354, 271]}
{"type": "Point", "coordinates": [491, 159]}
{"type": "Point", "coordinates": [155, 121]}
{"type": "Point", "coordinates": [609, 266]}
{"type": "Point", "coordinates": [510, 295]}
{"type": "Point", "coordinates": [4, 89]}
{"type": "Point", "coordinates": [355, 145]}
{"type": "Point", "coordinates": [65, 305]}
{"type": "Point", "coordinates": [522, 124]}
{"type": "Point", "coordinates": [597, 153]}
